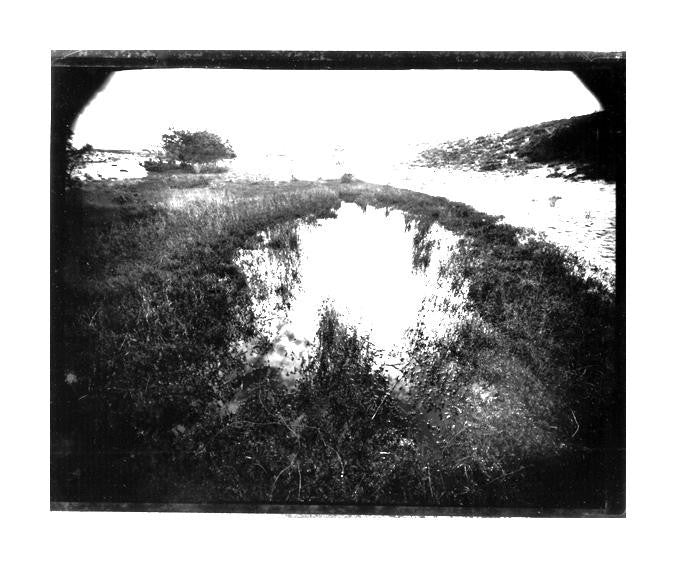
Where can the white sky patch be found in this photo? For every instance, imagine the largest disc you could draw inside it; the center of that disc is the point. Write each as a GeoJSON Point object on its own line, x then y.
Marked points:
{"type": "Point", "coordinates": [306, 112]}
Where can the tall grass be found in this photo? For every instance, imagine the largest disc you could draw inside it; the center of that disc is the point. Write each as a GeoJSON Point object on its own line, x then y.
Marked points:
{"type": "Point", "coordinates": [158, 402]}
{"type": "Point", "coordinates": [528, 387]}
{"type": "Point", "coordinates": [151, 313]}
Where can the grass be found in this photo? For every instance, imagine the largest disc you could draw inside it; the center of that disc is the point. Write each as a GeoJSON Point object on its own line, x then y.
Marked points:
{"type": "Point", "coordinates": [541, 348]}
{"type": "Point", "coordinates": [583, 147]}
{"type": "Point", "coordinates": [154, 308]}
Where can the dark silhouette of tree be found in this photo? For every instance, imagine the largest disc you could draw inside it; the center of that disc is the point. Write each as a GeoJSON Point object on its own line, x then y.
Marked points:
{"type": "Point", "coordinates": [76, 157]}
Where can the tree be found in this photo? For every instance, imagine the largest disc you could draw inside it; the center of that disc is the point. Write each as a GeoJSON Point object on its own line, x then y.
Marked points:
{"type": "Point", "coordinates": [76, 157]}
{"type": "Point", "coordinates": [195, 147]}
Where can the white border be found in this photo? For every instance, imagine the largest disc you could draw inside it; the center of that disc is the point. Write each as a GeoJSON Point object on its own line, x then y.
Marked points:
{"type": "Point", "coordinates": [34, 536]}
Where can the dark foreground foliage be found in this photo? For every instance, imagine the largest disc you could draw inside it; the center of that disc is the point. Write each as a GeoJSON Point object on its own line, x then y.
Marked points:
{"type": "Point", "coordinates": [520, 406]}
{"type": "Point", "coordinates": [533, 380]}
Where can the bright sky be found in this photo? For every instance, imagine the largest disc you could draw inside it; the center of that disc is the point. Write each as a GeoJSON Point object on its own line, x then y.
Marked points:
{"type": "Point", "coordinates": [306, 111]}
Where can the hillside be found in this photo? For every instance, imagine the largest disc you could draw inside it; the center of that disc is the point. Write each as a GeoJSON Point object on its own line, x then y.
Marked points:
{"type": "Point", "coordinates": [582, 147]}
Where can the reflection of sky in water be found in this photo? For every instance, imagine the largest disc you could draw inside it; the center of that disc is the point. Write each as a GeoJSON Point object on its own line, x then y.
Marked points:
{"type": "Point", "coordinates": [583, 220]}
{"type": "Point", "coordinates": [359, 263]}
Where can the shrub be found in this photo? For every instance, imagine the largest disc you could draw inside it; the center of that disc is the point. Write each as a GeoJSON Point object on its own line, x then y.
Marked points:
{"type": "Point", "coordinates": [161, 166]}
{"type": "Point", "coordinates": [164, 166]}
{"type": "Point", "coordinates": [195, 147]}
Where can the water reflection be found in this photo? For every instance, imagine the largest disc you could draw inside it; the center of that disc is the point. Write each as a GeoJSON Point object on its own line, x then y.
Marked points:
{"type": "Point", "coordinates": [384, 275]}
{"type": "Point", "coordinates": [577, 215]}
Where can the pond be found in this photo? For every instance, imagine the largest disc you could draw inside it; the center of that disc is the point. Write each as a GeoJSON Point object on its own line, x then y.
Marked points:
{"type": "Point", "coordinates": [366, 264]}
{"type": "Point", "coordinates": [578, 215]}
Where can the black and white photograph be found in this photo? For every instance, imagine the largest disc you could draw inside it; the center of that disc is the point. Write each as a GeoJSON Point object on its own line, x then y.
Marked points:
{"type": "Point", "coordinates": [341, 283]}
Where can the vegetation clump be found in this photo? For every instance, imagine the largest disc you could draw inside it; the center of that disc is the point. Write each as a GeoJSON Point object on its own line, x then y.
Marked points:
{"type": "Point", "coordinates": [584, 147]}
{"type": "Point", "coordinates": [195, 152]}
{"type": "Point", "coordinates": [516, 378]}
{"type": "Point", "coordinates": [76, 157]}
{"type": "Point", "coordinates": [154, 399]}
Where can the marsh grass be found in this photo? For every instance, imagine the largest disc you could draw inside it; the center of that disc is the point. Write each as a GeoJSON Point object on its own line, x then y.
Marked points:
{"type": "Point", "coordinates": [156, 402]}
{"type": "Point", "coordinates": [531, 379]}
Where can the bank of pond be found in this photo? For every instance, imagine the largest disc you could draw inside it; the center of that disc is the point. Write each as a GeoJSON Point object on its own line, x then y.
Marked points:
{"type": "Point", "coordinates": [328, 343]}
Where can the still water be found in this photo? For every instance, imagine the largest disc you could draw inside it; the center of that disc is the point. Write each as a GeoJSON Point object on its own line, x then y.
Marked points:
{"type": "Point", "coordinates": [576, 215]}
{"type": "Point", "coordinates": [361, 264]}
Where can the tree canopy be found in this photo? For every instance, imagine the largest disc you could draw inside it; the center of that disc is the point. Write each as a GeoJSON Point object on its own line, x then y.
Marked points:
{"type": "Point", "coordinates": [195, 147]}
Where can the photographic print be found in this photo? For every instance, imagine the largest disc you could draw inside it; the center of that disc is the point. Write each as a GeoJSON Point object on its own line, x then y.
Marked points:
{"type": "Point", "coordinates": [338, 282]}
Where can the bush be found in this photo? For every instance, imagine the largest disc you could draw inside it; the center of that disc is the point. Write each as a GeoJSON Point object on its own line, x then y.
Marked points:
{"type": "Point", "coordinates": [164, 166]}
{"type": "Point", "coordinates": [161, 166]}
{"type": "Point", "coordinates": [195, 147]}
{"type": "Point", "coordinates": [206, 168]}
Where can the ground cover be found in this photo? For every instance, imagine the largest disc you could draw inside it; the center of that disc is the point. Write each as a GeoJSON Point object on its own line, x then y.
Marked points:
{"type": "Point", "coordinates": [520, 406]}
{"type": "Point", "coordinates": [582, 147]}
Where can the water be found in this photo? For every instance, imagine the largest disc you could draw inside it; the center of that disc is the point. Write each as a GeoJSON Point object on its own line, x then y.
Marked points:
{"type": "Point", "coordinates": [112, 165]}
{"type": "Point", "coordinates": [576, 215]}
{"type": "Point", "coordinates": [582, 220]}
{"type": "Point", "coordinates": [361, 265]}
